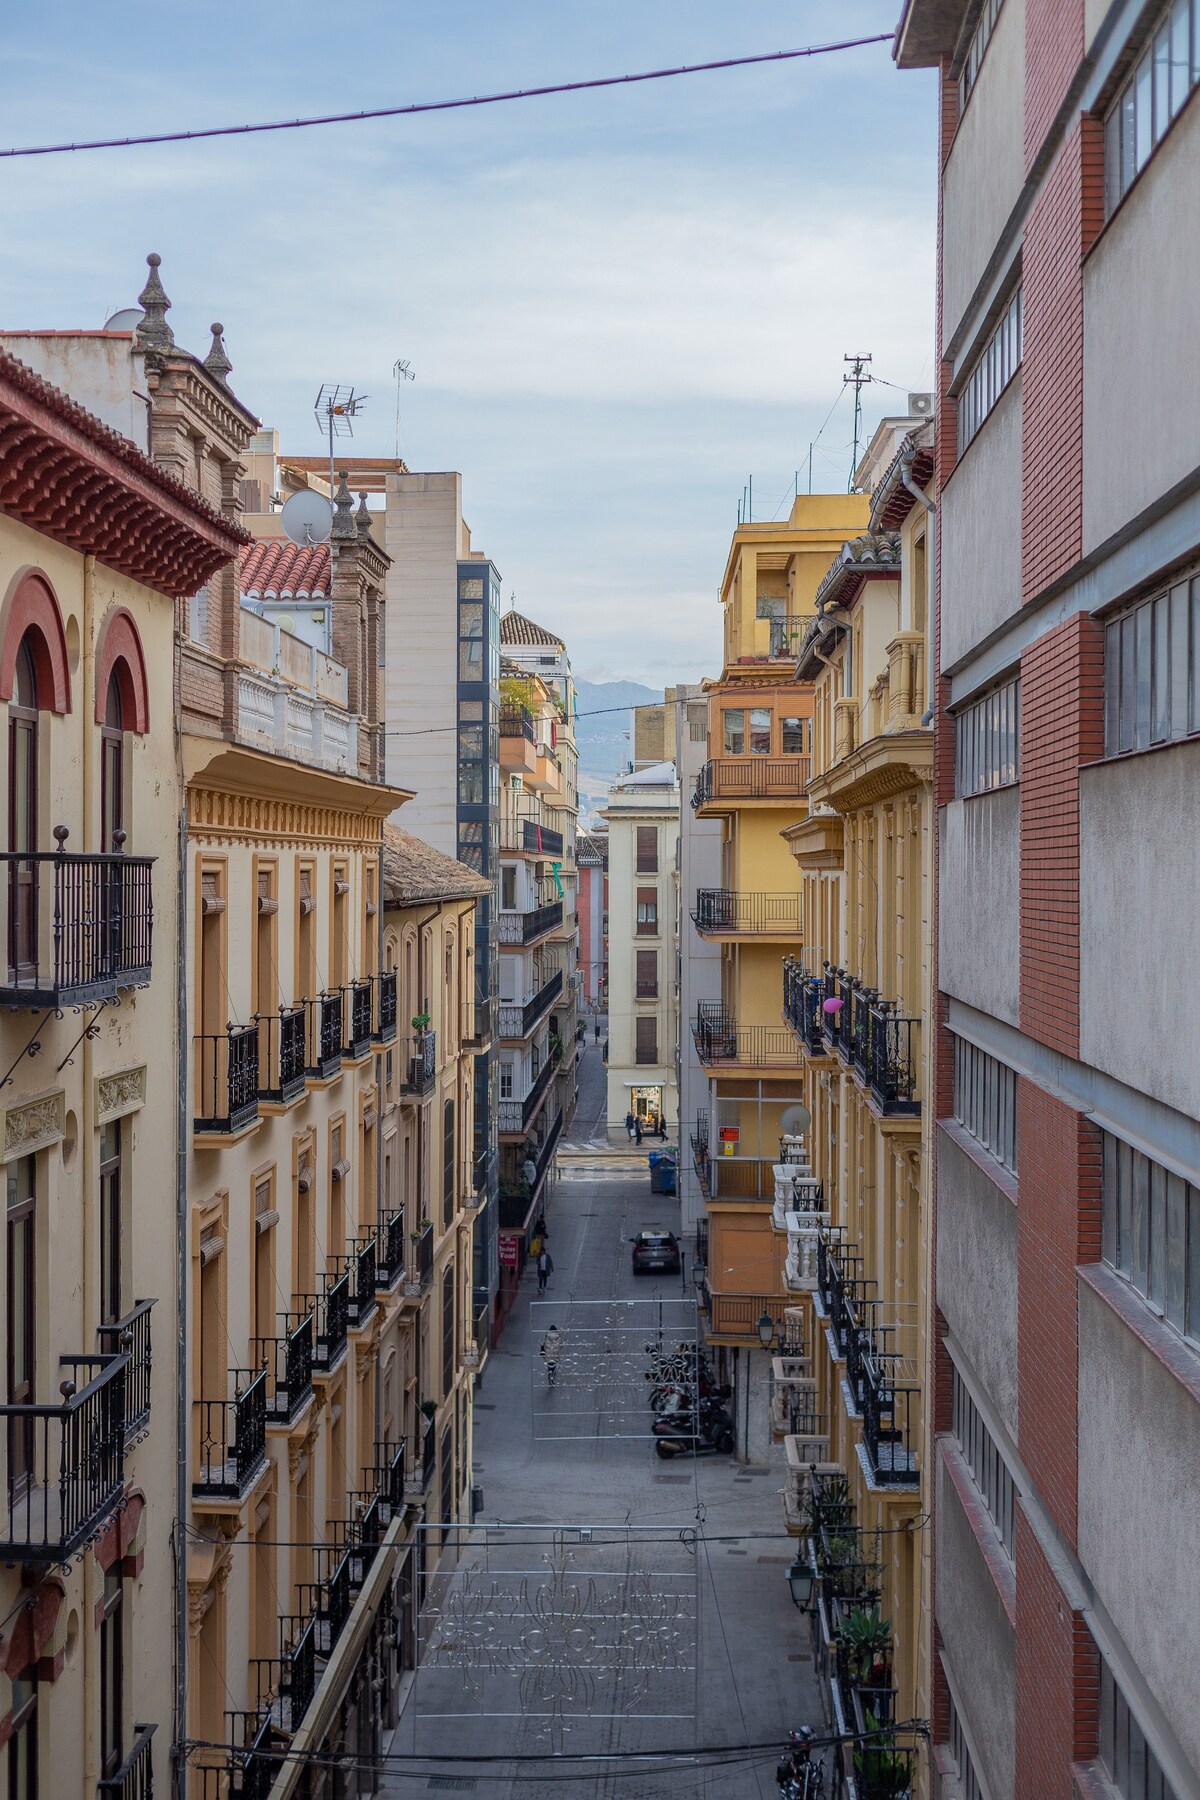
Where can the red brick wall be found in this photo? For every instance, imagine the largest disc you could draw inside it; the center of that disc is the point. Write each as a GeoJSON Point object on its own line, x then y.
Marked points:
{"type": "Point", "coordinates": [1057, 1678]}
{"type": "Point", "coordinates": [1053, 49]}
{"type": "Point", "coordinates": [1058, 1225]}
{"type": "Point", "coordinates": [1062, 726]}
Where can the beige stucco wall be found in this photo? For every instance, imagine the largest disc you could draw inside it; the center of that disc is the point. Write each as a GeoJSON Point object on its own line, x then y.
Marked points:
{"type": "Point", "coordinates": [986, 168]}
{"type": "Point", "coordinates": [625, 811]}
{"type": "Point", "coordinates": [977, 1640]}
{"type": "Point", "coordinates": [979, 937]}
{"type": "Point", "coordinates": [1139, 915]}
{"type": "Point", "coordinates": [1139, 1465]}
{"type": "Point", "coordinates": [1141, 387]}
{"type": "Point", "coordinates": [979, 535]}
{"type": "Point", "coordinates": [977, 1272]}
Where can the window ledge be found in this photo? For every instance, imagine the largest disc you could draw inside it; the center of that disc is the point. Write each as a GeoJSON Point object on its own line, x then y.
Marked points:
{"type": "Point", "coordinates": [1160, 1339]}
{"type": "Point", "coordinates": [983, 1526]}
{"type": "Point", "coordinates": [997, 1174]}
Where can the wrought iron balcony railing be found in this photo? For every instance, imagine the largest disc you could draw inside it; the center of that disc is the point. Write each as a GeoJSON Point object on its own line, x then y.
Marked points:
{"type": "Point", "coordinates": [540, 840]}
{"type": "Point", "coordinates": [728, 912]}
{"type": "Point", "coordinates": [232, 1439]}
{"type": "Point", "coordinates": [130, 1337]}
{"type": "Point", "coordinates": [519, 1021]}
{"type": "Point", "coordinates": [134, 1780]}
{"type": "Point", "coordinates": [358, 1019]}
{"type": "Point", "coordinates": [389, 1249]}
{"type": "Point", "coordinates": [361, 1267]}
{"type": "Point", "coordinates": [719, 1039]}
{"type": "Point", "coordinates": [803, 995]}
{"type": "Point", "coordinates": [79, 928]}
{"type": "Point", "coordinates": [281, 1059]}
{"type": "Point", "coordinates": [428, 1452]}
{"type": "Point", "coordinates": [881, 1045]}
{"type": "Point", "coordinates": [421, 1271]}
{"type": "Point", "coordinates": [420, 1068]}
{"type": "Point", "coordinates": [333, 1321]}
{"type": "Point", "coordinates": [518, 1115]}
{"type": "Point", "coordinates": [288, 1361]}
{"type": "Point", "coordinates": [325, 1036]}
{"type": "Point", "coordinates": [517, 721]}
{"type": "Point", "coordinates": [527, 927]}
{"type": "Point", "coordinates": [752, 778]}
{"type": "Point", "coordinates": [385, 1006]}
{"type": "Point", "coordinates": [66, 1463]}
{"type": "Point", "coordinates": [226, 1076]}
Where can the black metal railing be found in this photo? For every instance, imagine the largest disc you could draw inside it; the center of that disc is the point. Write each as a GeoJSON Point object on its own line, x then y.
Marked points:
{"type": "Point", "coordinates": [731, 912]}
{"type": "Point", "coordinates": [646, 990]}
{"type": "Point", "coordinates": [226, 1077]}
{"type": "Point", "coordinates": [325, 1036]}
{"type": "Point", "coordinates": [428, 1451]}
{"type": "Point", "coordinates": [134, 1780]}
{"type": "Point", "coordinates": [420, 1063]}
{"type": "Point", "coordinates": [79, 928]}
{"type": "Point", "coordinates": [288, 1361]}
{"type": "Point", "coordinates": [752, 778]}
{"type": "Point", "coordinates": [517, 721]}
{"type": "Point", "coordinates": [333, 1320]}
{"type": "Point", "coordinates": [519, 1021]}
{"type": "Point", "coordinates": [890, 1415]}
{"type": "Point", "coordinates": [357, 1016]}
{"type": "Point", "coordinates": [517, 1115]}
{"type": "Point", "coordinates": [390, 1460]}
{"type": "Point", "coordinates": [385, 1006]}
{"type": "Point", "coordinates": [66, 1463]}
{"type": "Point", "coordinates": [389, 1249]}
{"type": "Point", "coordinates": [719, 1039]}
{"type": "Point", "coordinates": [422, 1267]}
{"type": "Point", "coordinates": [524, 927]}
{"type": "Point", "coordinates": [232, 1438]}
{"type": "Point", "coordinates": [483, 1169]}
{"type": "Point", "coordinates": [130, 1337]}
{"type": "Point", "coordinates": [803, 997]}
{"type": "Point", "coordinates": [281, 1057]}
{"type": "Point", "coordinates": [541, 840]}
{"type": "Point", "coordinates": [298, 1672]}
{"type": "Point", "coordinates": [870, 1034]}
{"type": "Point", "coordinates": [362, 1267]}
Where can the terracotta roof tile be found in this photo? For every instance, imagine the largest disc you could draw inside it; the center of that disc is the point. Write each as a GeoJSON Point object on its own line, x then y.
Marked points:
{"type": "Point", "coordinates": [277, 567]}
{"type": "Point", "coordinates": [515, 628]}
{"type": "Point", "coordinates": [413, 872]}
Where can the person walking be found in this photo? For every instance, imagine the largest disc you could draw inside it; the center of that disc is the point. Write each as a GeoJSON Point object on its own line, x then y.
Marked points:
{"type": "Point", "coordinates": [597, 1031]}
{"type": "Point", "coordinates": [551, 1351]}
{"type": "Point", "coordinates": [630, 1125]}
{"type": "Point", "coordinates": [545, 1268]}
{"type": "Point", "coordinates": [637, 1130]}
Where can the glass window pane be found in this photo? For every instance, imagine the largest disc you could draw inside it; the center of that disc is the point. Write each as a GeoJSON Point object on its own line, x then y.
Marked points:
{"type": "Point", "coordinates": [760, 731]}
{"type": "Point", "coordinates": [1128, 138]}
{"type": "Point", "coordinates": [1128, 669]}
{"type": "Point", "coordinates": [1194, 691]}
{"type": "Point", "coordinates": [1179, 658]}
{"type": "Point", "coordinates": [1160, 723]}
{"type": "Point", "coordinates": [1144, 117]}
{"type": "Point", "coordinates": [1192, 1325]}
{"type": "Point", "coordinates": [1142, 656]}
{"type": "Point", "coordinates": [735, 732]}
{"type": "Point", "coordinates": [1112, 689]}
{"type": "Point", "coordinates": [1175, 1293]}
{"type": "Point", "coordinates": [1140, 1222]}
{"type": "Point", "coordinates": [1125, 1207]}
{"type": "Point", "coordinates": [1162, 81]}
{"type": "Point", "coordinates": [1156, 1232]}
{"type": "Point", "coordinates": [1180, 70]}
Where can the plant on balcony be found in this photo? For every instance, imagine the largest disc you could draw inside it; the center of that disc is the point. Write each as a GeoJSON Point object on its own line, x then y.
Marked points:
{"type": "Point", "coordinates": [429, 1409]}
{"type": "Point", "coordinates": [883, 1773]}
{"type": "Point", "coordinates": [864, 1640]}
{"type": "Point", "coordinates": [420, 1021]}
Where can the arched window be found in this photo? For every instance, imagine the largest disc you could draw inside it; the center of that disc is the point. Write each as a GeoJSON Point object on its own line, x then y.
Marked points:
{"type": "Point", "coordinates": [23, 808]}
{"type": "Point", "coordinates": [112, 767]}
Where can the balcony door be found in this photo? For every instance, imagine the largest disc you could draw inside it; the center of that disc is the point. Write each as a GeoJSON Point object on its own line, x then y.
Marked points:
{"type": "Point", "coordinates": [23, 815]}
{"type": "Point", "coordinates": [112, 767]}
{"type": "Point", "coordinates": [22, 1320]}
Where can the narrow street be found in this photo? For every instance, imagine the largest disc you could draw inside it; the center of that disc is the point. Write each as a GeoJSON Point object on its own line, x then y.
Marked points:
{"type": "Point", "coordinates": [544, 1459]}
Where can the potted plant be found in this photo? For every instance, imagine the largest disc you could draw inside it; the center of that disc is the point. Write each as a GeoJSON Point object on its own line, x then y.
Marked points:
{"type": "Point", "coordinates": [420, 1021]}
{"type": "Point", "coordinates": [429, 1409]}
{"type": "Point", "coordinates": [883, 1773]}
{"type": "Point", "coordinates": [864, 1639]}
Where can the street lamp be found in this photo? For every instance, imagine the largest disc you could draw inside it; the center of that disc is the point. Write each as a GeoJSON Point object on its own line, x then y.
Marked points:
{"type": "Point", "coordinates": [801, 1581]}
{"type": "Point", "coordinates": [766, 1330]}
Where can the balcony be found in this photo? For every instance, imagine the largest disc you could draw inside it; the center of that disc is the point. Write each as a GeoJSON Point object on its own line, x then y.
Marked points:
{"type": "Point", "coordinates": [325, 1037]}
{"type": "Point", "coordinates": [803, 997]}
{"type": "Point", "coordinates": [882, 1380]}
{"type": "Point", "coordinates": [519, 1021]}
{"type": "Point", "coordinates": [292, 699]}
{"type": "Point", "coordinates": [540, 840]}
{"type": "Point", "coordinates": [420, 1063]}
{"type": "Point", "coordinates": [518, 1201]}
{"type": "Point", "coordinates": [130, 1337]}
{"type": "Point", "coordinates": [286, 1684]}
{"type": "Point", "coordinates": [516, 1116]}
{"type": "Point", "coordinates": [725, 912]}
{"type": "Point", "coordinates": [332, 1312]}
{"type": "Point", "coordinates": [226, 1068]}
{"type": "Point", "coordinates": [385, 1007]}
{"type": "Point", "coordinates": [389, 1250]}
{"type": "Point", "coordinates": [134, 1780]}
{"type": "Point", "coordinates": [526, 928]}
{"type": "Point", "coordinates": [517, 722]}
{"type": "Point", "coordinates": [358, 1039]}
{"type": "Point", "coordinates": [66, 1462]}
{"type": "Point", "coordinates": [730, 781]}
{"type": "Point", "coordinates": [421, 1268]}
{"type": "Point", "coordinates": [232, 1439]}
{"type": "Point", "coordinates": [360, 1267]}
{"type": "Point", "coordinates": [79, 927]}
{"type": "Point", "coordinates": [734, 1317]}
{"type": "Point", "coordinates": [882, 1046]}
{"type": "Point", "coordinates": [721, 1043]}
{"type": "Point", "coordinates": [281, 1055]}
{"type": "Point", "coordinates": [288, 1361]}
{"type": "Point", "coordinates": [428, 1453]}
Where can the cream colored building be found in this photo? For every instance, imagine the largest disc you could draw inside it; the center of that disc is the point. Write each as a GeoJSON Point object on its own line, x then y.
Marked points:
{"type": "Point", "coordinates": [89, 1604]}
{"type": "Point", "coordinates": [643, 909]}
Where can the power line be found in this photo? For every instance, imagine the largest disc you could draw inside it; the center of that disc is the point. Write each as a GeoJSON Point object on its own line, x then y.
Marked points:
{"type": "Point", "coordinates": [427, 106]}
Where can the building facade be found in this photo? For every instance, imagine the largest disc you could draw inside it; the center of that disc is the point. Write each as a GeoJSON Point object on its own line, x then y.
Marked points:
{"type": "Point", "coordinates": [699, 964]}
{"type": "Point", "coordinates": [643, 1013]}
{"type": "Point", "coordinates": [1067, 1307]}
{"type": "Point", "coordinates": [591, 857]}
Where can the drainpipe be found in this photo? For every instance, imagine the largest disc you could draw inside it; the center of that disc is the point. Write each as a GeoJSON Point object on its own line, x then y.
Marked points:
{"type": "Point", "coordinates": [181, 1291]}
{"type": "Point", "coordinates": [922, 498]}
{"type": "Point", "coordinates": [88, 1145]}
{"type": "Point", "coordinates": [380, 1065]}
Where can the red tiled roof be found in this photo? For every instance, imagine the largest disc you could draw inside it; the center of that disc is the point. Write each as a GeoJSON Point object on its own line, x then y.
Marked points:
{"type": "Point", "coordinates": [276, 566]}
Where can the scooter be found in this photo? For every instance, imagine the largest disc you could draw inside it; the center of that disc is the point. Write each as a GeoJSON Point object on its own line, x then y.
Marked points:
{"type": "Point", "coordinates": [678, 1436]}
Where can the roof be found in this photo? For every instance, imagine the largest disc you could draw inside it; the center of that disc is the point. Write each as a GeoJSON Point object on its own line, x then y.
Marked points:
{"type": "Point", "coordinates": [874, 553]}
{"type": "Point", "coordinates": [891, 502]}
{"type": "Point", "coordinates": [413, 872]}
{"type": "Point", "coordinates": [591, 849]}
{"type": "Point", "coordinates": [655, 775]}
{"type": "Point", "coordinates": [515, 628]}
{"type": "Point", "coordinates": [274, 568]}
{"type": "Point", "coordinates": [68, 475]}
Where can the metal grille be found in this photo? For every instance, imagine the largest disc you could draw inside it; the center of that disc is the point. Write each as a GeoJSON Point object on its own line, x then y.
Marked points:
{"type": "Point", "coordinates": [607, 1352]}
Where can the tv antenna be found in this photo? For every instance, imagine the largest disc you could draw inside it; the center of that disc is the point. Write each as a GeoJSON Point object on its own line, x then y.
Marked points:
{"type": "Point", "coordinates": [337, 407]}
{"type": "Point", "coordinates": [403, 372]}
{"type": "Point", "coordinates": [858, 379]}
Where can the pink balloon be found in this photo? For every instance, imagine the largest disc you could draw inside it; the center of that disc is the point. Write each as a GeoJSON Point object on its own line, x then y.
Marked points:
{"type": "Point", "coordinates": [832, 1006]}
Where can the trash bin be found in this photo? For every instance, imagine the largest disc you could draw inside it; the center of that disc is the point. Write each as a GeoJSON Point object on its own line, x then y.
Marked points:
{"type": "Point", "coordinates": [663, 1172]}
{"type": "Point", "coordinates": [476, 1501]}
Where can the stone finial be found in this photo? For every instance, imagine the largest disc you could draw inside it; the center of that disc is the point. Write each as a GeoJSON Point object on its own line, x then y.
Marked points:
{"type": "Point", "coordinates": [217, 362]}
{"type": "Point", "coordinates": [362, 517]}
{"type": "Point", "coordinates": [343, 508]}
{"type": "Point", "coordinates": [154, 333]}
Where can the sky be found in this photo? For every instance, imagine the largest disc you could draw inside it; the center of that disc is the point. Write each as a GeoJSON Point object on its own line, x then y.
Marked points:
{"type": "Point", "coordinates": [619, 306]}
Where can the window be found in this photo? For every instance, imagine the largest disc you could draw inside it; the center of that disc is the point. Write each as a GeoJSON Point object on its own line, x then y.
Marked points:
{"type": "Point", "coordinates": [1154, 93]}
{"type": "Point", "coordinates": [1152, 671]}
{"type": "Point", "coordinates": [112, 767]}
{"type": "Point", "coordinates": [1129, 1762]}
{"type": "Point", "coordinates": [794, 737]}
{"type": "Point", "coordinates": [987, 742]}
{"type": "Point", "coordinates": [23, 812]}
{"type": "Point", "coordinates": [982, 1456]}
{"type": "Point", "coordinates": [506, 1081]}
{"type": "Point", "coordinates": [22, 1333]}
{"type": "Point", "coordinates": [448, 1163]}
{"type": "Point", "coordinates": [112, 1674]}
{"type": "Point", "coordinates": [985, 1101]}
{"type": "Point", "coordinates": [968, 1781]}
{"type": "Point", "coordinates": [735, 731]}
{"type": "Point", "coordinates": [1151, 1233]}
{"type": "Point", "coordinates": [980, 39]}
{"type": "Point", "coordinates": [647, 974]}
{"type": "Point", "coordinates": [647, 850]}
{"type": "Point", "coordinates": [647, 912]}
{"type": "Point", "coordinates": [447, 1329]}
{"type": "Point", "coordinates": [760, 731]}
{"type": "Point", "coordinates": [994, 368]}
{"type": "Point", "coordinates": [508, 887]}
{"type": "Point", "coordinates": [22, 1745]}
{"type": "Point", "coordinates": [646, 1043]}
{"type": "Point", "coordinates": [110, 1223]}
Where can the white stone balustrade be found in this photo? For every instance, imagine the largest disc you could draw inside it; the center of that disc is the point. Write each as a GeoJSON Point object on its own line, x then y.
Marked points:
{"type": "Point", "coordinates": [292, 699]}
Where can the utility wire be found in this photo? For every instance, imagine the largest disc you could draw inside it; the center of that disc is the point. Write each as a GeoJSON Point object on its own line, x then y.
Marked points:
{"type": "Point", "coordinates": [426, 106]}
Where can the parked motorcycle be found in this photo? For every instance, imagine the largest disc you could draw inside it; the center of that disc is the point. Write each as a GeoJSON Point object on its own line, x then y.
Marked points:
{"type": "Point", "coordinates": [679, 1434]}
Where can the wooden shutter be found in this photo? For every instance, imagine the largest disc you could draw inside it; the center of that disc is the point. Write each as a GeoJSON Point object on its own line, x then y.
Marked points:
{"type": "Point", "coordinates": [647, 850]}
{"type": "Point", "coordinates": [647, 1040]}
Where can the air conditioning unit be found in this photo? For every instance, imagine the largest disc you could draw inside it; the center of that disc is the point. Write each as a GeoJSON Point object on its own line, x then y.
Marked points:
{"type": "Point", "coordinates": [920, 406]}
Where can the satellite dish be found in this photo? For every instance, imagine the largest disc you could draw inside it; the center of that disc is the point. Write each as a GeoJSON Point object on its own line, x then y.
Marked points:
{"type": "Point", "coordinates": [307, 517]}
{"type": "Point", "coordinates": [128, 319]}
{"type": "Point", "coordinates": [796, 1120]}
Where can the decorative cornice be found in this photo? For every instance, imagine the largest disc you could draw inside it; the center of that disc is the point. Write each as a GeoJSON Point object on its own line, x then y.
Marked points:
{"type": "Point", "coordinates": [34, 1126]}
{"type": "Point", "coordinates": [117, 1095]}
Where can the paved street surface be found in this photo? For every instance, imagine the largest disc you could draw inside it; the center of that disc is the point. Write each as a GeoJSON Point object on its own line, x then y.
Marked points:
{"type": "Point", "coordinates": [684, 1610]}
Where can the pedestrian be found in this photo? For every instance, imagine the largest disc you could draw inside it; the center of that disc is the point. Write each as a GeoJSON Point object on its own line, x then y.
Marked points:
{"type": "Point", "coordinates": [545, 1268]}
{"type": "Point", "coordinates": [535, 1246]}
{"type": "Point", "coordinates": [540, 1227]}
{"type": "Point", "coordinates": [630, 1124]}
{"type": "Point", "coordinates": [637, 1130]}
{"type": "Point", "coordinates": [529, 1172]}
{"type": "Point", "coordinates": [662, 1125]}
{"type": "Point", "coordinates": [551, 1351]}
{"type": "Point", "coordinates": [597, 1031]}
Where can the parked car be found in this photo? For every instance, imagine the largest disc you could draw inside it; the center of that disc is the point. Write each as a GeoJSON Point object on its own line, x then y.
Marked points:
{"type": "Point", "coordinates": [656, 1252]}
